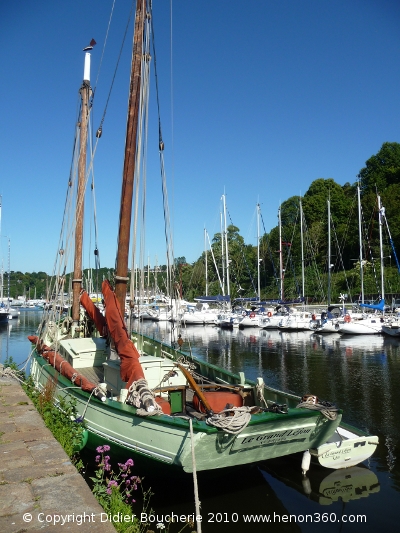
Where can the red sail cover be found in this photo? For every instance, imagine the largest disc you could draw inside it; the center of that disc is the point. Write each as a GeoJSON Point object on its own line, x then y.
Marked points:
{"type": "Point", "coordinates": [61, 365]}
{"type": "Point", "coordinates": [94, 313]}
{"type": "Point", "coordinates": [131, 369]}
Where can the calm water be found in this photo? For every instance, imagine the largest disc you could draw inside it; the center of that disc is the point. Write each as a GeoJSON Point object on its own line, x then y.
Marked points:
{"type": "Point", "coordinates": [360, 374]}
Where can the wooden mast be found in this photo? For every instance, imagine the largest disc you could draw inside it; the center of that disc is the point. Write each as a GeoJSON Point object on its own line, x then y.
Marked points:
{"type": "Point", "coordinates": [121, 267]}
{"type": "Point", "coordinates": [77, 278]}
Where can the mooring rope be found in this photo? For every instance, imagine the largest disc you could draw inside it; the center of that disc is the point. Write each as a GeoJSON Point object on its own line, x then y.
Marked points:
{"type": "Point", "coordinates": [196, 489]}
{"type": "Point", "coordinates": [232, 420]}
{"type": "Point", "coordinates": [9, 372]}
{"type": "Point", "coordinates": [329, 410]}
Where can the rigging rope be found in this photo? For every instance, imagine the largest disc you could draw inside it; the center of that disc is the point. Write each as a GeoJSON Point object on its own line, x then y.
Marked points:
{"type": "Point", "coordinates": [289, 260]}
{"type": "Point", "coordinates": [391, 242]}
{"type": "Point", "coordinates": [340, 257]}
{"type": "Point", "coordinates": [311, 251]}
{"type": "Point", "coordinates": [100, 128]}
{"type": "Point", "coordinates": [245, 262]}
{"type": "Point", "coordinates": [368, 245]}
{"type": "Point", "coordinates": [171, 270]}
{"type": "Point", "coordinates": [196, 490]}
{"type": "Point", "coordinates": [276, 277]}
{"type": "Point", "coordinates": [104, 47]}
{"type": "Point", "coordinates": [167, 227]}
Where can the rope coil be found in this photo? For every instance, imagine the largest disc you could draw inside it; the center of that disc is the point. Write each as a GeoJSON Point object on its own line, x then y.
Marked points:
{"type": "Point", "coordinates": [141, 397]}
{"type": "Point", "coordinates": [232, 420]}
{"type": "Point", "coordinates": [329, 410]}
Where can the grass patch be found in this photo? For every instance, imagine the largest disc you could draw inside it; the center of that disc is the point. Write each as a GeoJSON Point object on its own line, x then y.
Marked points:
{"type": "Point", "coordinates": [59, 415]}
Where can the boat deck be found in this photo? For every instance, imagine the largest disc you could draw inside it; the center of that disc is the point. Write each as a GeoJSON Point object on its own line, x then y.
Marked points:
{"type": "Point", "coordinates": [95, 374]}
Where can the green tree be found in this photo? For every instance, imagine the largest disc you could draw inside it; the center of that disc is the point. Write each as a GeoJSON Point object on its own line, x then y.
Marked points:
{"type": "Point", "coordinates": [381, 169]}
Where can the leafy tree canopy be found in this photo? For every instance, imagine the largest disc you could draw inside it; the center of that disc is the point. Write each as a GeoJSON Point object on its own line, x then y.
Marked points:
{"type": "Point", "coordinates": [315, 201]}
{"type": "Point", "coordinates": [382, 169]}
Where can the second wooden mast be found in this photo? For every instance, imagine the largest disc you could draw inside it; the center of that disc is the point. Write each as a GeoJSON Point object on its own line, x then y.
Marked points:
{"type": "Point", "coordinates": [121, 267]}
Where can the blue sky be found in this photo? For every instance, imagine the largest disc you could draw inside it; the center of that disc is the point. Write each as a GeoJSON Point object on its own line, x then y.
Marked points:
{"type": "Point", "coordinates": [265, 97]}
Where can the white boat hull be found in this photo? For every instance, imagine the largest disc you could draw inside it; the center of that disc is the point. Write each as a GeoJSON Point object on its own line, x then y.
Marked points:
{"type": "Point", "coordinates": [249, 321]}
{"type": "Point", "coordinates": [345, 449]}
{"type": "Point", "coordinates": [330, 326]}
{"type": "Point", "coordinates": [199, 318]}
{"type": "Point", "coordinates": [361, 327]}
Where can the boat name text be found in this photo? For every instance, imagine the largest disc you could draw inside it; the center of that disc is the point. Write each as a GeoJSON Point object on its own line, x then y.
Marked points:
{"type": "Point", "coordinates": [260, 439]}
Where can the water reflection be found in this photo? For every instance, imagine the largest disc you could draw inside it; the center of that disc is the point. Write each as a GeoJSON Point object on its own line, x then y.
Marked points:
{"type": "Point", "coordinates": [5, 332]}
{"type": "Point", "coordinates": [325, 486]}
{"type": "Point", "coordinates": [360, 375]}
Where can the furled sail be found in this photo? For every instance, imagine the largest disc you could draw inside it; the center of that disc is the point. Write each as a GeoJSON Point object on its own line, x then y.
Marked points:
{"type": "Point", "coordinates": [94, 313]}
{"type": "Point", "coordinates": [379, 307]}
{"type": "Point", "coordinates": [131, 369]}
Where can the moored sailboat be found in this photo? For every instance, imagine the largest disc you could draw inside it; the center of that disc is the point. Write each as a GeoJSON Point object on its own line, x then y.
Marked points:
{"type": "Point", "coordinates": [367, 324]}
{"type": "Point", "coordinates": [149, 397]}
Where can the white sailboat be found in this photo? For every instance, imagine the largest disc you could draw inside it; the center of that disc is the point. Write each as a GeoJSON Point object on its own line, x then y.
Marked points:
{"type": "Point", "coordinates": [298, 319]}
{"type": "Point", "coordinates": [367, 324]}
{"type": "Point", "coordinates": [272, 319]}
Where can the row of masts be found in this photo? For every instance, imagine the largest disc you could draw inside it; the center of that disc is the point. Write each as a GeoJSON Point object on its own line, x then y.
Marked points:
{"type": "Point", "coordinates": [121, 270]}
{"type": "Point", "coordinates": [224, 282]}
{"type": "Point", "coordinates": [381, 211]}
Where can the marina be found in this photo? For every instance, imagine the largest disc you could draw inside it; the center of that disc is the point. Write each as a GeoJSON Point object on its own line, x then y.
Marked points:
{"type": "Point", "coordinates": [234, 404]}
{"type": "Point", "coordinates": [153, 398]}
{"type": "Point", "coordinates": [359, 375]}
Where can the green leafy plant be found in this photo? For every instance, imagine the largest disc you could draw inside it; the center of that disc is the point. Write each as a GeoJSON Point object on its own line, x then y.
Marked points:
{"type": "Point", "coordinates": [114, 490]}
{"type": "Point", "coordinates": [115, 493]}
{"type": "Point", "coordinates": [59, 416]}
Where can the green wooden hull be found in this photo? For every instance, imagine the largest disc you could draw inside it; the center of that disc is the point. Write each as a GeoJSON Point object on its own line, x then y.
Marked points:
{"type": "Point", "coordinates": [166, 438]}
